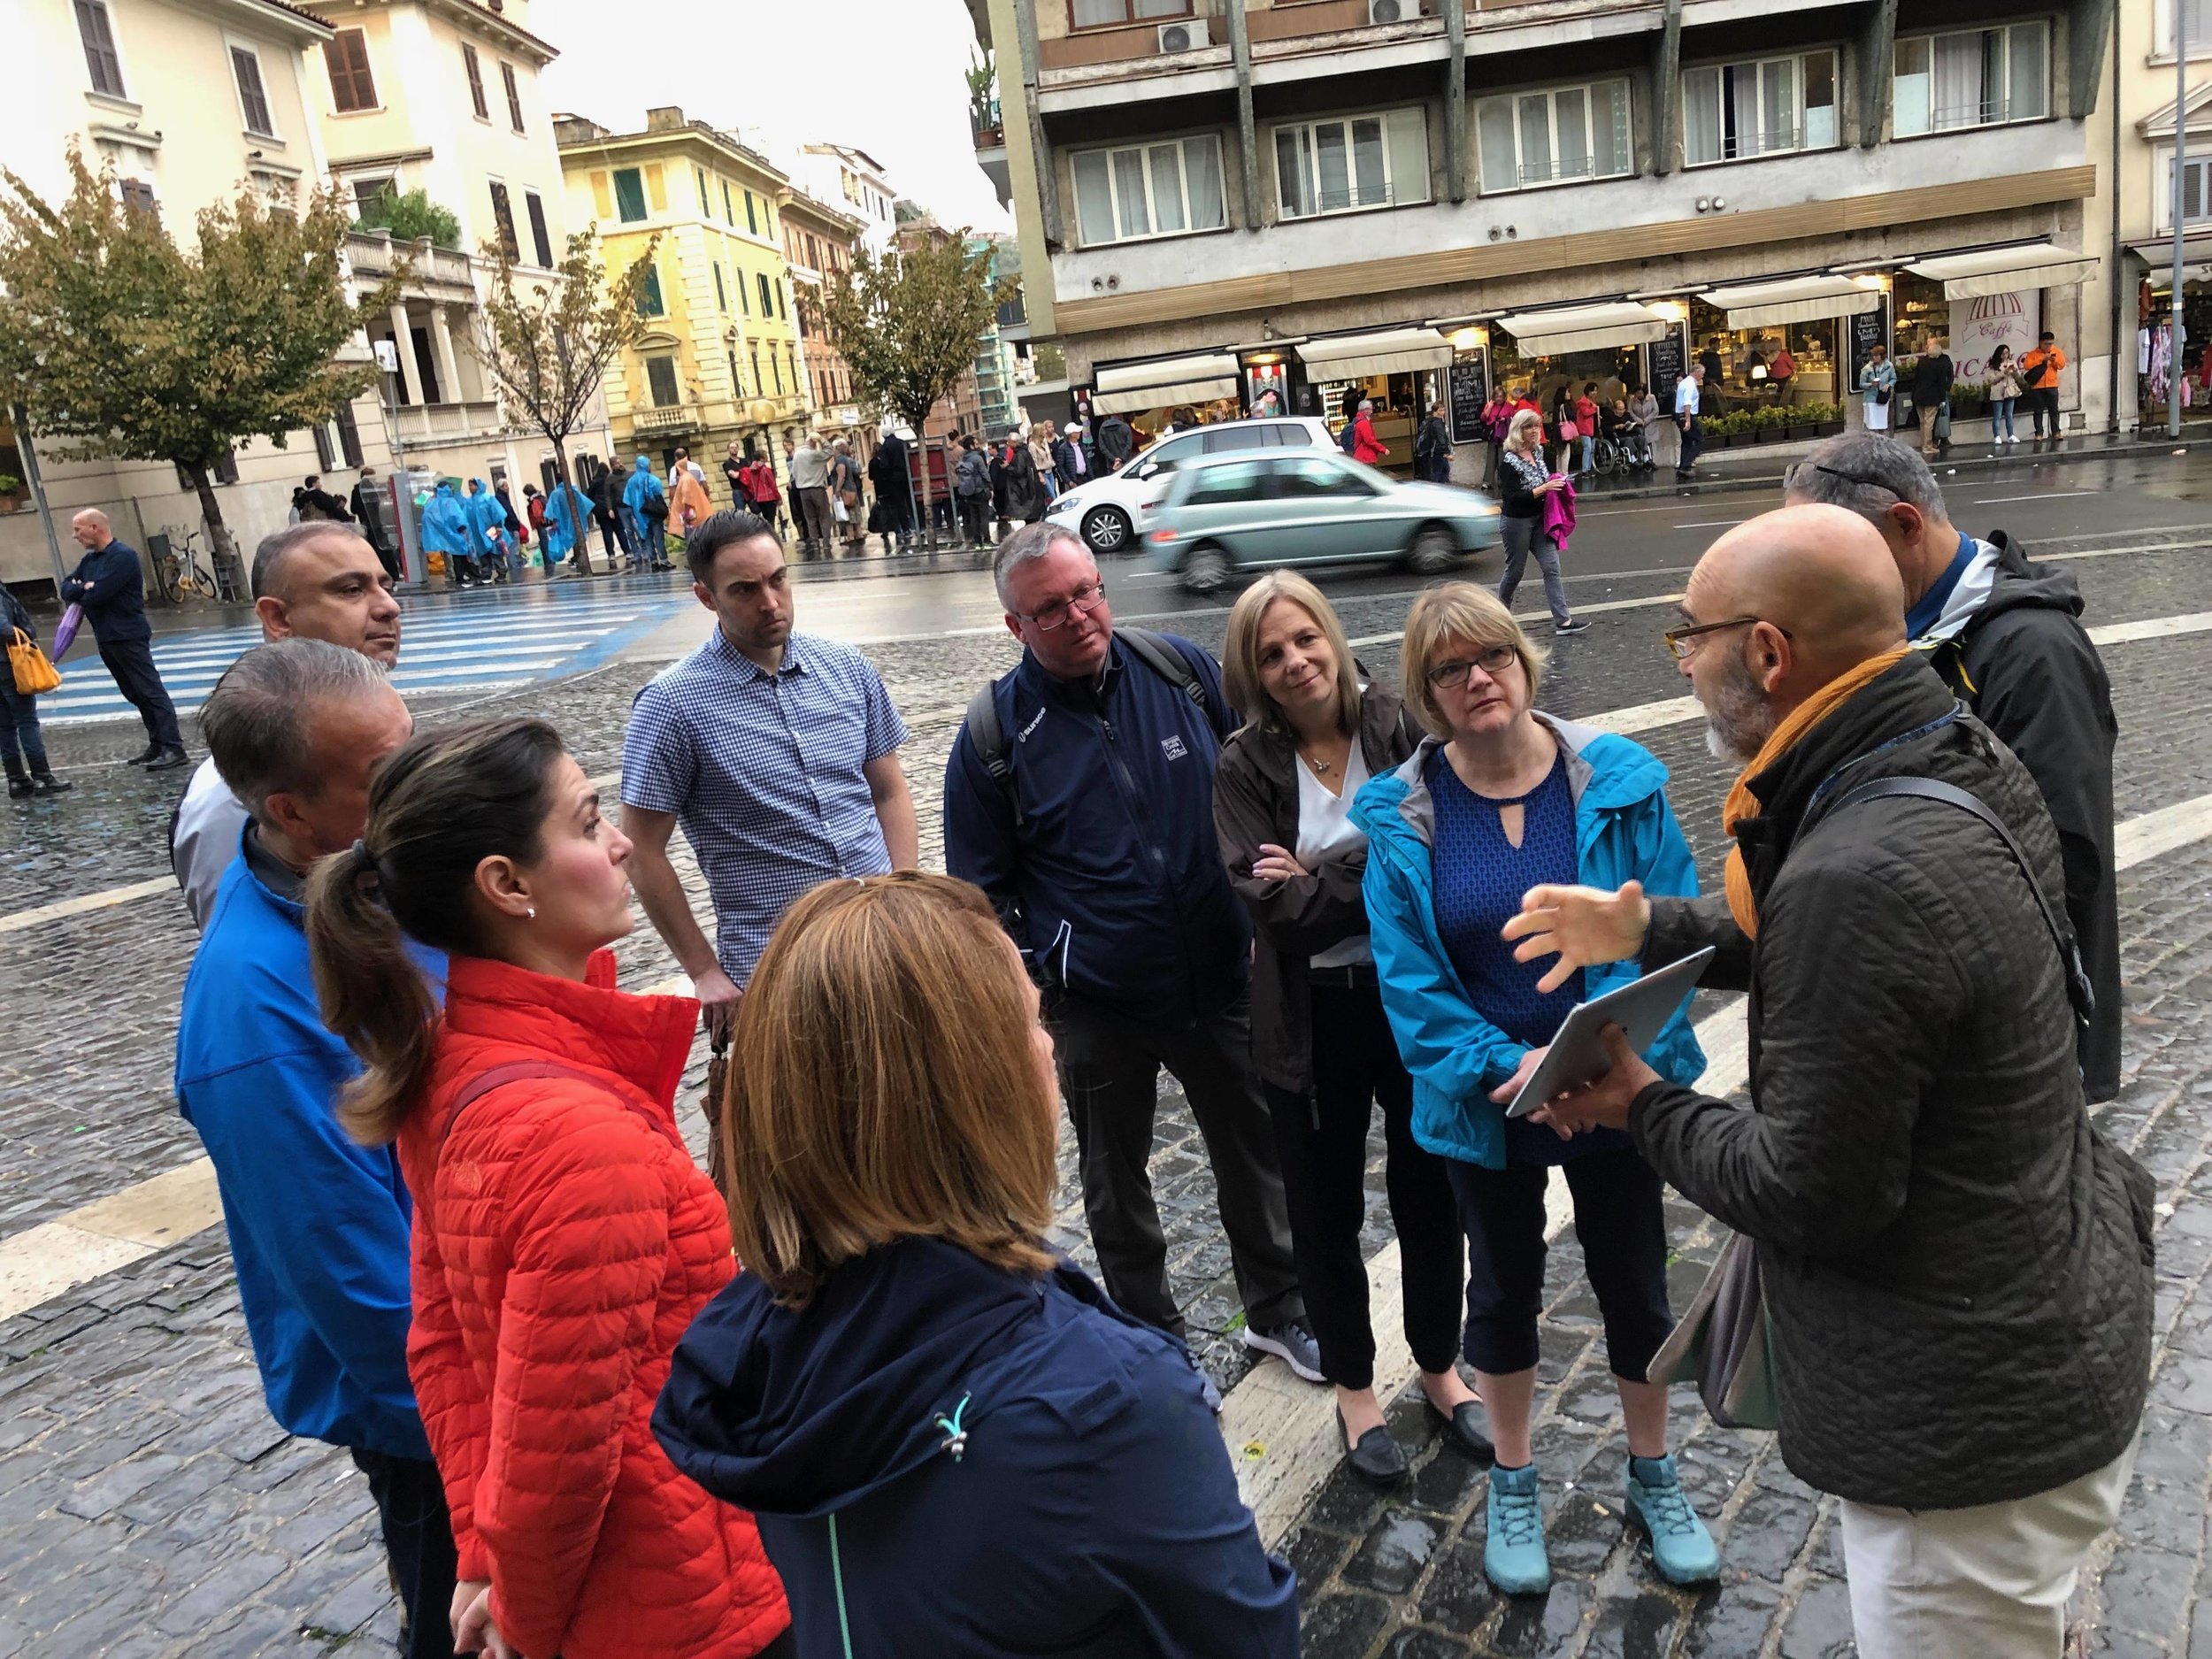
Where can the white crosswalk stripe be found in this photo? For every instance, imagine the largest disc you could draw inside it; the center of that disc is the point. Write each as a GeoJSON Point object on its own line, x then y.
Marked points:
{"type": "Point", "coordinates": [530, 633]}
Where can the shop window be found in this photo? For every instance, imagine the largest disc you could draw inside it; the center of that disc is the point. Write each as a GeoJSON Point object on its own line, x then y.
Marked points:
{"type": "Point", "coordinates": [1362, 161]}
{"type": "Point", "coordinates": [540, 235]}
{"type": "Point", "coordinates": [1536, 138]}
{"type": "Point", "coordinates": [660, 375]}
{"type": "Point", "coordinates": [102, 61]}
{"type": "Point", "coordinates": [1163, 189]}
{"type": "Point", "coordinates": [1977, 78]}
{"type": "Point", "coordinates": [476, 81]}
{"type": "Point", "coordinates": [253, 97]}
{"type": "Point", "coordinates": [514, 94]}
{"type": "Point", "coordinates": [1767, 106]}
{"type": "Point", "coordinates": [351, 85]}
{"type": "Point", "coordinates": [1098, 14]}
{"type": "Point", "coordinates": [629, 194]}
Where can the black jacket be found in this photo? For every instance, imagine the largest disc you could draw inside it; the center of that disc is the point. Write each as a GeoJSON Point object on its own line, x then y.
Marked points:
{"type": "Point", "coordinates": [109, 583]}
{"type": "Point", "coordinates": [1957, 1264]}
{"type": "Point", "coordinates": [1931, 378]}
{"type": "Point", "coordinates": [2025, 665]}
{"type": "Point", "coordinates": [1116, 443]}
{"type": "Point", "coordinates": [1256, 800]}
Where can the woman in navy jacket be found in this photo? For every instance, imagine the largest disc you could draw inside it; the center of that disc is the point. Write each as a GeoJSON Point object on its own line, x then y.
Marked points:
{"type": "Point", "coordinates": [951, 1440]}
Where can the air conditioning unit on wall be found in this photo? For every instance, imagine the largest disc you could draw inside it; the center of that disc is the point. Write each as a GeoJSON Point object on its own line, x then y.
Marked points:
{"type": "Point", "coordinates": [1185, 36]}
{"type": "Point", "coordinates": [1392, 10]}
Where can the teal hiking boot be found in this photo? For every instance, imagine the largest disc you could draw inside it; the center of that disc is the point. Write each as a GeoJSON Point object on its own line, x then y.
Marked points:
{"type": "Point", "coordinates": [1513, 1557]}
{"type": "Point", "coordinates": [1681, 1548]}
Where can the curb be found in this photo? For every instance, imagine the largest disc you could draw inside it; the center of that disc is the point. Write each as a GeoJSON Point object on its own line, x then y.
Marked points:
{"type": "Point", "coordinates": [1720, 485]}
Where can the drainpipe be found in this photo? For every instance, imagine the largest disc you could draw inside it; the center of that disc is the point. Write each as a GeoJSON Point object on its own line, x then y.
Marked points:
{"type": "Point", "coordinates": [1456, 99]}
{"type": "Point", "coordinates": [2119, 254]}
{"type": "Point", "coordinates": [2181, 158]}
{"type": "Point", "coordinates": [1248, 127]}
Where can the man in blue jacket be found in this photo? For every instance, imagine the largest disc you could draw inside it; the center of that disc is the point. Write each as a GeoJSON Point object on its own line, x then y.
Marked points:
{"type": "Point", "coordinates": [110, 584]}
{"type": "Point", "coordinates": [1088, 816]}
{"type": "Point", "coordinates": [318, 1224]}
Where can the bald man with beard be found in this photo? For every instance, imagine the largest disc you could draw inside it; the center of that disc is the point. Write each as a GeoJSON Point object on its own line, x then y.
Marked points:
{"type": "Point", "coordinates": [1956, 1264]}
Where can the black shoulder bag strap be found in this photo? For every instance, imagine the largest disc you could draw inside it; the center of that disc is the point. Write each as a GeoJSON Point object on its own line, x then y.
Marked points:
{"type": "Point", "coordinates": [2078, 987]}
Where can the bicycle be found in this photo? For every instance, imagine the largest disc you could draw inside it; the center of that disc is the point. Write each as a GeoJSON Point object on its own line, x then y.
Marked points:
{"type": "Point", "coordinates": [178, 574]}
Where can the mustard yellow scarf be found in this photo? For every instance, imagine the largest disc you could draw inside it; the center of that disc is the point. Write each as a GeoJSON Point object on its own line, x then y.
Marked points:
{"type": "Point", "coordinates": [1742, 805]}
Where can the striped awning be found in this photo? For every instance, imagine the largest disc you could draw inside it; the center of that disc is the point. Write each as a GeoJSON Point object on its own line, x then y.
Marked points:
{"type": "Point", "coordinates": [2038, 264]}
{"type": "Point", "coordinates": [1378, 351]}
{"type": "Point", "coordinates": [1797, 300]}
{"type": "Point", "coordinates": [1129, 386]}
{"type": "Point", "coordinates": [1586, 327]}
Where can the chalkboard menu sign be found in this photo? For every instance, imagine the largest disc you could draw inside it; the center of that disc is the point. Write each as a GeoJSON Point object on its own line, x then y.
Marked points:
{"type": "Point", "coordinates": [1470, 390]}
{"type": "Point", "coordinates": [1869, 329]}
{"type": "Point", "coordinates": [1666, 368]}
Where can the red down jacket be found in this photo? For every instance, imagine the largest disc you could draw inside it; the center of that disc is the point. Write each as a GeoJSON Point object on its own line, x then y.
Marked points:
{"type": "Point", "coordinates": [562, 1240]}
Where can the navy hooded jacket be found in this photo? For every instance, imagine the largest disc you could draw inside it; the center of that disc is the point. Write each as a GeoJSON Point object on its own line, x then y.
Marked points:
{"type": "Point", "coordinates": [987, 1464]}
{"type": "Point", "coordinates": [1113, 885]}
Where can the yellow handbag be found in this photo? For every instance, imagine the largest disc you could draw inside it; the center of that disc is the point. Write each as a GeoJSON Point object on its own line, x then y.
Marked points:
{"type": "Point", "coordinates": [32, 672]}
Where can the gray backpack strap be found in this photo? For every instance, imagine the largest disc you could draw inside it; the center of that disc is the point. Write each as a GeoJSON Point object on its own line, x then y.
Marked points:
{"type": "Point", "coordinates": [2079, 991]}
{"type": "Point", "coordinates": [989, 739]}
{"type": "Point", "coordinates": [1160, 656]}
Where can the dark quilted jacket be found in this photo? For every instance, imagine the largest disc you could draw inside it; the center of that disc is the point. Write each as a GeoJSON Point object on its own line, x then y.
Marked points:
{"type": "Point", "coordinates": [1957, 1266]}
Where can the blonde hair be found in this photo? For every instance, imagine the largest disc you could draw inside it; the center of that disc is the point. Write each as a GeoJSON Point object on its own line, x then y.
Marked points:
{"type": "Point", "coordinates": [1520, 423]}
{"type": "Point", "coordinates": [1459, 611]}
{"type": "Point", "coordinates": [1240, 652]}
{"type": "Point", "coordinates": [883, 1085]}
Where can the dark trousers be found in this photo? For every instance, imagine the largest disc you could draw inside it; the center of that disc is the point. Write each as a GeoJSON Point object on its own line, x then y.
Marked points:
{"type": "Point", "coordinates": [20, 740]}
{"type": "Point", "coordinates": [972, 508]}
{"type": "Point", "coordinates": [419, 1543]}
{"type": "Point", "coordinates": [1321, 1139]}
{"type": "Point", "coordinates": [1692, 444]}
{"type": "Point", "coordinates": [1622, 1227]}
{"type": "Point", "coordinates": [2042, 402]}
{"type": "Point", "coordinates": [798, 512]}
{"type": "Point", "coordinates": [132, 664]}
{"type": "Point", "coordinates": [1110, 1071]}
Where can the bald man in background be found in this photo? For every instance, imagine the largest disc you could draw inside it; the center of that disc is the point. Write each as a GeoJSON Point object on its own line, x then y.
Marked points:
{"type": "Point", "coordinates": [1956, 1265]}
{"type": "Point", "coordinates": [109, 583]}
{"type": "Point", "coordinates": [317, 580]}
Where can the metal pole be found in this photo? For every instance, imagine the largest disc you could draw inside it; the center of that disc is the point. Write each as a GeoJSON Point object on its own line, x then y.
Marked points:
{"type": "Point", "coordinates": [38, 494]}
{"type": "Point", "coordinates": [2181, 153]}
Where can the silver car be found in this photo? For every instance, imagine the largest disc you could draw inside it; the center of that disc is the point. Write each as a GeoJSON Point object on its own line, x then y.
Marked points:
{"type": "Point", "coordinates": [1237, 512]}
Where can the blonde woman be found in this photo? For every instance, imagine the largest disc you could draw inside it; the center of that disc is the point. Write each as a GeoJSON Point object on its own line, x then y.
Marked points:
{"type": "Point", "coordinates": [1523, 481]}
{"type": "Point", "coordinates": [1499, 798]}
{"type": "Point", "coordinates": [953, 1441]}
{"type": "Point", "coordinates": [1282, 805]}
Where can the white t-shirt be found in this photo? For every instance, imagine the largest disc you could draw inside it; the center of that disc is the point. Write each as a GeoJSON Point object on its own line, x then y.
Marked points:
{"type": "Point", "coordinates": [210, 820]}
{"type": "Point", "coordinates": [1685, 397]}
{"type": "Point", "coordinates": [1325, 826]}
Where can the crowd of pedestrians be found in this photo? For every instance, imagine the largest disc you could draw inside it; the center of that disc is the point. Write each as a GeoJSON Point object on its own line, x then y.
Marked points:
{"type": "Point", "coordinates": [841, 1396]}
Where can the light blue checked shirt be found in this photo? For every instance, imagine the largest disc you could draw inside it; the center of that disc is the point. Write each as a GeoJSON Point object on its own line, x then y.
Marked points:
{"type": "Point", "coordinates": [763, 772]}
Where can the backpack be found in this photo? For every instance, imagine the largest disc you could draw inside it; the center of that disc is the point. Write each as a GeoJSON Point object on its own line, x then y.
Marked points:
{"type": "Point", "coordinates": [989, 737]}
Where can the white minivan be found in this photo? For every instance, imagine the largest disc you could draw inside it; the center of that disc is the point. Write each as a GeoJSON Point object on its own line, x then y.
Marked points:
{"type": "Point", "coordinates": [1106, 510]}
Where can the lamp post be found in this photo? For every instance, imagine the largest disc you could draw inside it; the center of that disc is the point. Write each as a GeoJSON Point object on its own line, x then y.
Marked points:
{"type": "Point", "coordinates": [2181, 155]}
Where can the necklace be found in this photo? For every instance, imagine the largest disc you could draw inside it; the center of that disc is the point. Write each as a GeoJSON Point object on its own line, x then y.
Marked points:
{"type": "Point", "coordinates": [1321, 768]}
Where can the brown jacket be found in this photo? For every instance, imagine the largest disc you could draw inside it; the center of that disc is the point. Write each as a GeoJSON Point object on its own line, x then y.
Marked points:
{"type": "Point", "coordinates": [1256, 800]}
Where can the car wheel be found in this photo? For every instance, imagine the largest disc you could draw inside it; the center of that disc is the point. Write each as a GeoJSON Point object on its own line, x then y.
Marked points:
{"type": "Point", "coordinates": [1205, 568]}
{"type": "Point", "coordinates": [1106, 530]}
{"type": "Point", "coordinates": [1434, 551]}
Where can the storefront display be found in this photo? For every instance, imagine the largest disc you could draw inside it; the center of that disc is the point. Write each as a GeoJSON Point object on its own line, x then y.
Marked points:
{"type": "Point", "coordinates": [2158, 366]}
{"type": "Point", "coordinates": [1781, 365]}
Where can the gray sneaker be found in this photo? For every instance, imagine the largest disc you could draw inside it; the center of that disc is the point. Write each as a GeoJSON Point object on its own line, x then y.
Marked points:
{"type": "Point", "coordinates": [1290, 1343]}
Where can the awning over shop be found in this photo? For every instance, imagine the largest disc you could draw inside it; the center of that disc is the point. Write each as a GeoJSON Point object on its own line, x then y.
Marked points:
{"type": "Point", "coordinates": [2037, 265]}
{"type": "Point", "coordinates": [1586, 328]}
{"type": "Point", "coordinates": [1196, 379]}
{"type": "Point", "coordinates": [1797, 300]}
{"type": "Point", "coordinates": [1379, 351]}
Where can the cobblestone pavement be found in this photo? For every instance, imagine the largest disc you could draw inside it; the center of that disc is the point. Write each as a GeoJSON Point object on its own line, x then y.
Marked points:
{"type": "Point", "coordinates": [148, 1506]}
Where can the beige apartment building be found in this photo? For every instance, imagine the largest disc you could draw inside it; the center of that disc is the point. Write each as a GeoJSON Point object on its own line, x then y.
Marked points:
{"type": "Point", "coordinates": [190, 102]}
{"type": "Point", "coordinates": [818, 241]}
{"type": "Point", "coordinates": [1413, 200]}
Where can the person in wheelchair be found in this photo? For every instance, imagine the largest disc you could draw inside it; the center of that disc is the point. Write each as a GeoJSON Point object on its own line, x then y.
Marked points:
{"type": "Point", "coordinates": [1627, 437]}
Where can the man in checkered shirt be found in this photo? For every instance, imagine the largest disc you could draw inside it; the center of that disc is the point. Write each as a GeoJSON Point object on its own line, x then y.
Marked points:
{"type": "Point", "coordinates": [777, 751]}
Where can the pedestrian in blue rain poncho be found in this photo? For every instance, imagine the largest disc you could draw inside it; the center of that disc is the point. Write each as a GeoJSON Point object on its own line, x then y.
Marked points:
{"type": "Point", "coordinates": [647, 504]}
{"type": "Point", "coordinates": [488, 517]}
{"type": "Point", "coordinates": [567, 519]}
{"type": "Point", "coordinates": [447, 529]}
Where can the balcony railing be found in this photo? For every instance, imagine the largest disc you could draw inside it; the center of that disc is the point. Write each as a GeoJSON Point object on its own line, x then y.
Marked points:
{"type": "Point", "coordinates": [439, 423]}
{"type": "Point", "coordinates": [1534, 172]}
{"type": "Point", "coordinates": [666, 417]}
{"type": "Point", "coordinates": [376, 254]}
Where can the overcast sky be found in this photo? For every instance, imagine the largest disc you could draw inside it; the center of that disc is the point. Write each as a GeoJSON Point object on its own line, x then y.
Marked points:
{"type": "Point", "coordinates": [886, 76]}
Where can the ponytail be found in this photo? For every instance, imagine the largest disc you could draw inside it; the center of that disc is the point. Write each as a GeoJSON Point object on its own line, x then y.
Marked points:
{"type": "Point", "coordinates": [371, 994]}
{"type": "Point", "coordinates": [447, 800]}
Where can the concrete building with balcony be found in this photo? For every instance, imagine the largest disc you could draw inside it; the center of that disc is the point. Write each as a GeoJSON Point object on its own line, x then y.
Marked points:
{"type": "Point", "coordinates": [2133, 134]}
{"type": "Point", "coordinates": [191, 102]}
{"type": "Point", "coordinates": [442, 96]}
{"type": "Point", "coordinates": [818, 241]}
{"type": "Point", "coordinates": [719, 358]}
{"type": "Point", "coordinates": [1413, 200]}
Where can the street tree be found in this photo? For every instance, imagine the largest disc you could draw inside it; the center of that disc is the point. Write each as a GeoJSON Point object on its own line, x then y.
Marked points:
{"type": "Point", "coordinates": [121, 344]}
{"type": "Point", "coordinates": [549, 345]}
{"type": "Point", "coordinates": [906, 322]}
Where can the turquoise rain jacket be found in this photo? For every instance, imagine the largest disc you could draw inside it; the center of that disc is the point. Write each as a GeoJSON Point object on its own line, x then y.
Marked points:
{"type": "Point", "coordinates": [643, 487]}
{"type": "Point", "coordinates": [487, 519]}
{"type": "Point", "coordinates": [1625, 830]}
{"type": "Point", "coordinates": [559, 541]}
{"type": "Point", "coordinates": [445, 523]}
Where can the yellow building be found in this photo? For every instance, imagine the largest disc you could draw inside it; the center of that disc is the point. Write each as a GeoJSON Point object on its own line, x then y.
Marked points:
{"type": "Point", "coordinates": [818, 241]}
{"type": "Point", "coordinates": [720, 357]}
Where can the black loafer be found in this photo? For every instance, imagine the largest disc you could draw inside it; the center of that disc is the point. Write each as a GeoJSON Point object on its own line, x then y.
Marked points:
{"type": "Point", "coordinates": [1463, 1427]}
{"type": "Point", "coordinates": [1378, 1457]}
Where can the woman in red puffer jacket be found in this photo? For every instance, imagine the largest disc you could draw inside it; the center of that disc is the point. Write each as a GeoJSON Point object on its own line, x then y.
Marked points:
{"type": "Point", "coordinates": [563, 1236]}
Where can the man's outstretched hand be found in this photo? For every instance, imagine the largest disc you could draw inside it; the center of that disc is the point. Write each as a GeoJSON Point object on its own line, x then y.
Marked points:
{"type": "Point", "coordinates": [1603, 1104]}
{"type": "Point", "coordinates": [1580, 926]}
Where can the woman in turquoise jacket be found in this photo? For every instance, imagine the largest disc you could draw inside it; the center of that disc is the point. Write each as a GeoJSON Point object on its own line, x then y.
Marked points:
{"type": "Point", "coordinates": [1500, 798]}
{"type": "Point", "coordinates": [487, 520]}
{"type": "Point", "coordinates": [567, 519]}
{"type": "Point", "coordinates": [447, 530]}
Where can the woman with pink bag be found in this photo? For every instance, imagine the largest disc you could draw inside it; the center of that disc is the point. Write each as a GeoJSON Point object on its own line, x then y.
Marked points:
{"type": "Point", "coordinates": [1533, 517]}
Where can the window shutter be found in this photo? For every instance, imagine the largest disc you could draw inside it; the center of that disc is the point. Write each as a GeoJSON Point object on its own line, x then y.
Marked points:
{"type": "Point", "coordinates": [351, 85]}
{"type": "Point", "coordinates": [476, 80]}
{"type": "Point", "coordinates": [253, 98]}
{"type": "Point", "coordinates": [503, 215]}
{"type": "Point", "coordinates": [102, 61]}
{"type": "Point", "coordinates": [514, 94]}
{"type": "Point", "coordinates": [540, 238]}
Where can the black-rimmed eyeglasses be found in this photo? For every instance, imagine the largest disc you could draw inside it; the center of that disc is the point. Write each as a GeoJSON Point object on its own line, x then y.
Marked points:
{"type": "Point", "coordinates": [1080, 602]}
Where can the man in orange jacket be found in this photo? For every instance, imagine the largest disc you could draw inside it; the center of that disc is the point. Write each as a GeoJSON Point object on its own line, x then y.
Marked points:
{"type": "Point", "coordinates": [2040, 369]}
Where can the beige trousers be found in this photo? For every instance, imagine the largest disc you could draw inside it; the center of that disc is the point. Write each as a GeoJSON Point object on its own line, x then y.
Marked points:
{"type": "Point", "coordinates": [1987, 1583]}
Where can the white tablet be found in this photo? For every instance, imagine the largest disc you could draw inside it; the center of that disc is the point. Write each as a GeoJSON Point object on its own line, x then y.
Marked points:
{"type": "Point", "coordinates": [1642, 1008]}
